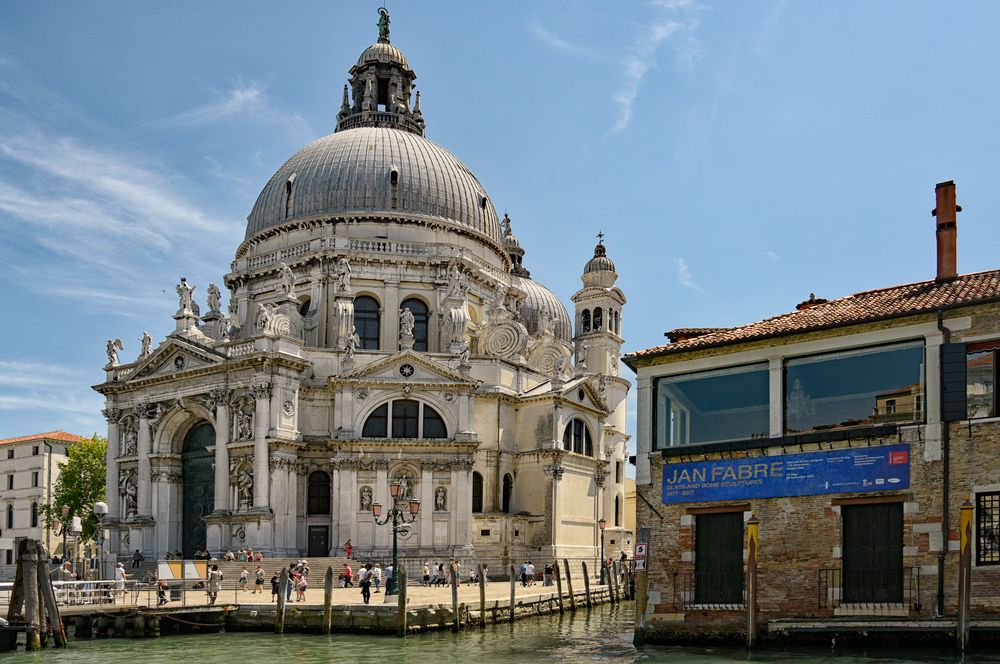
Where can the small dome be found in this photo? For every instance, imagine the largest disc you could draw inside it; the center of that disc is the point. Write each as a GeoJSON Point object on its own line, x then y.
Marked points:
{"type": "Point", "coordinates": [383, 52]}
{"type": "Point", "coordinates": [540, 299]}
{"type": "Point", "coordinates": [600, 262]}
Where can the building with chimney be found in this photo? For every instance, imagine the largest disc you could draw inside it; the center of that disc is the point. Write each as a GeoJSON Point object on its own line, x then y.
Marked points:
{"type": "Point", "coordinates": [383, 337]}
{"type": "Point", "coordinates": [30, 470]}
{"type": "Point", "coordinates": [833, 449]}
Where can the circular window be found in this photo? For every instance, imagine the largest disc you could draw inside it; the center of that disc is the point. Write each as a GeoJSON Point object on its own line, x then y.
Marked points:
{"type": "Point", "coordinates": [407, 370]}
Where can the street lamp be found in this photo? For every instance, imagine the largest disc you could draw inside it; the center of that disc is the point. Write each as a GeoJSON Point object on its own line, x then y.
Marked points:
{"type": "Point", "coordinates": [65, 526]}
{"type": "Point", "coordinates": [399, 519]}
{"type": "Point", "coordinates": [100, 511]}
{"type": "Point", "coordinates": [601, 524]}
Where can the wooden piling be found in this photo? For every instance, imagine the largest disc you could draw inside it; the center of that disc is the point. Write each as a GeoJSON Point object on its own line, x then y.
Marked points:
{"type": "Point", "coordinates": [48, 596]}
{"type": "Point", "coordinates": [964, 575]}
{"type": "Point", "coordinates": [279, 615]}
{"type": "Point", "coordinates": [559, 585]}
{"type": "Point", "coordinates": [586, 584]}
{"type": "Point", "coordinates": [513, 580]}
{"type": "Point", "coordinates": [327, 600]}
{"type": "Point", "coordinates": [482, 597]}
{"type": "Point", "coordinates": [616, 596]}
{"type": "Point", "coordinates": [28, 563]}
{"type": "Point", "coordinates": [753, 526]}
{"type": "Point", "coordinates": [399, 578]}
{"type": "Point", "coordinates": [454, 597]}
{"type": "Point", "coordinates": [569, 586]}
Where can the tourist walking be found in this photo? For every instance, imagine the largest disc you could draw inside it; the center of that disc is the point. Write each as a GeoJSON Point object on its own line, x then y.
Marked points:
{"type": "Point", "coordinates": [389, 571]}
{"type": "Point", "coordinates": [377, 577]}
{"type": "Point", "coordinates": [137, 558]}
{"type": "Point", "coordinates": [348, 549]}
{"type": "Point", "coordinates": [214, 583]}
{"type": "Point", "coordinates": [427, 575]}
{"type": "Point", "coordinates": [161, 592]}
{"type": "Point", "coordinates": [530, 571]}
{"type": "Point", "coordinates": [258, 583]}
{"type": "Point", "coordinates": [244, 578]}
{"type": "Point", "coordinates": [120, 578]}
{"type": "Point", "coordinates": [365, 581]}
{"type": "Point", "coordinates": [547, 579]}
{"type": "Point", "coordinates": [524, 574]}
{"type": "Point", "coordinates": [348, 576]}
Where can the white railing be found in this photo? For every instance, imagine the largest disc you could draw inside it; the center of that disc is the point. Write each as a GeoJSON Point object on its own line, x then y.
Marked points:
{"type": "Point", "coordinates": [242, 350]}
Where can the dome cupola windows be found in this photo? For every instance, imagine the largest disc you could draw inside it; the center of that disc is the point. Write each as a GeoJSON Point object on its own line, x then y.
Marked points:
{"type": "Point", "coordinates": [404, 418]}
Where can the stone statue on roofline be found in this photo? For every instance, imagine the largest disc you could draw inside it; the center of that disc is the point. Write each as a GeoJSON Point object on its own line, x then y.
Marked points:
{"type": "Point", "coordinates": [113, 346]}
{"type": "Point", "coordinates": [146, 345]}
{"type": "Point", "coordinates": [406, 322]}
{"type": "Point", "coordinates": [343, 275]}
{"type": "Point", "coordinates": [185, 293]}
{"type": "Point", "coordinates": [383, 25]}
{"type": "Point", "coordinates": [286, 281]}
{"type": "Point", "coordinates": [214, 298]}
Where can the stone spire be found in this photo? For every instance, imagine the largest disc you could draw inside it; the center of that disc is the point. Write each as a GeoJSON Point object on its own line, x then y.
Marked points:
{"type": "Point", "coordinates": [514, 249]}
{"type": "Point", "coordinates": [381, 86]}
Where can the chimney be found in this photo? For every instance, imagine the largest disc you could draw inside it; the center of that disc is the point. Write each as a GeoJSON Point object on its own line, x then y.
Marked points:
{"type": "Point", "coordinates": [946, 213]}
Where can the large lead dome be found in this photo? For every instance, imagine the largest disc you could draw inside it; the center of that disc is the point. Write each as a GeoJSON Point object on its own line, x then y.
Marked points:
{"type": "Point", "coordinates": [375, 170]}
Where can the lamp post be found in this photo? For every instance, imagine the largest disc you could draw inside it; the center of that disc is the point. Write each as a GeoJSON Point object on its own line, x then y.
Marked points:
{"type": "Point", "coordinates": [399, 518]}
{"type": "Point", "coordinates": [601, 524]}
{"type": "Point", "coordinates": [100, 511]}
{"type": "Point", "coordinates": [65, 526]}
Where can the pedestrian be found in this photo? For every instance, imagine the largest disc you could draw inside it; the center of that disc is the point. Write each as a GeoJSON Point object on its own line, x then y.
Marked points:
{"type": "Point", "coordinates": [137, 558]}
{"type": "Point", "coordinates": [161, 592]}
{"type": "Point", "coordinates": [348, 549]}
{"type": "Point", "coordinates": [486, 574]}
{"type": "Point", "coordinates": [120, 578]}
{"type": "Point", "coordinates": [548, 574]}
{"type": "Point", "coordinates": [258, 583]}
{"type": "Point", "coordinates": [365, 581]}
{"type": "Point", "coordinates": [348, 576]}
{"type": "Point", "coordinates": [275, 586]}
{"type": "Point", "coordinates": [377, 577]}
{"type": "Point", "coordinates": [291, 581]}
{"type": "Point", "coordinates": [524, 574]}
{"type": "Point", "coordinates": [244, 578]}
{"type": "Point", "coordinates": [389, 571]}
{"type": "Point", "coordinates": [214, 583]}
{"type": "Point", "coordinates": [427, 575]}
{"type": "Point", "coordinates": [442, 575]}
{"type": "Point", "coordinates": [472, 576]}
{"type": "Point", "coordinates": [178, 555]}
{"type": "Point", "coordinates": [249, 555]}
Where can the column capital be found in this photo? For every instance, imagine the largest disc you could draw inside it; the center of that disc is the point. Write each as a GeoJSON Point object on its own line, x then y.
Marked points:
{"type": "Point", "coordinates": [112, 415]}
{"type": "Point", "coordinates": [220, 397]}
{"type": "Point", "coordinates": [261, 391]}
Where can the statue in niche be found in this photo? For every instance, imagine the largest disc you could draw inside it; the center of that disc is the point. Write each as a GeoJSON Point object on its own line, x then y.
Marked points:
{"type": "Point", "coordinates": [244, 424]}
{"type": "Point", "coordinates": [113, 346]}
{"type": "Point", "coordinates": [129, 441]}
{"type": "Point", "coordinates": [441, 499]}
{"type": "Point", "coordinates": [244, 488]}
{"type": "Point", "coordinates": [185, 293]}
{"type": "Point", "coordinates": [265, 316]}
{"type": "Point", "coordinates": [214, 299]}
{"type": "Point", "coordinates": [286, 281]}
{"type": "Point", "coordinates": [581, 356]}
{"type": "Point", "coordinates": [463, 357]}
{"type": "Point", "coordinates": [131, 497]}
{"type": "Point", "coordinates": [406, 322]}
{"type": "Point", "coordinates": [366, 499]}
{"type": "Point", "coordinates": [146, 345]}
{"type": "Point", "coordinates": [353, 340]}
{"type": "Point", "coordinates": [405, 486]}
{"type": "Point", "coordinates": [343, 275]}
{"type": "Point", "coordinates": [458, 281]}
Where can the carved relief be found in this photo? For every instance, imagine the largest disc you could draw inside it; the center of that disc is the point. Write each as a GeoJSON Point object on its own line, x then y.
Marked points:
{"type": "Point", "coordinates": [129, 437]}
{"type": "Point", "coordinates": [366, 499]}
{"type": "Point", "coordinates": [441, 499]}
{"type": "Point", "coordinates": [128, 489]}
{"type": "Point", "coordinates": [406, 484]}
{"type": "Point", "coordinates": [243, 414]}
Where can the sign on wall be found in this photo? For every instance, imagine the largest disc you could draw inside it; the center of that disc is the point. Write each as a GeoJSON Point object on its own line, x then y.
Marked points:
{"type": "Point", "coordinates": [880, 468]}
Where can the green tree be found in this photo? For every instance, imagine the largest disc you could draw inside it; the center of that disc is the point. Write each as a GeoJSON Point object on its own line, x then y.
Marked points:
{"type": "Point", "coordinates": [80, 485]}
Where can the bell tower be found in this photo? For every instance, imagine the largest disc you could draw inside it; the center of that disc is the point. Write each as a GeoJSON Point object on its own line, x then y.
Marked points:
{"type": "Point", "coordinates": [599, 305]}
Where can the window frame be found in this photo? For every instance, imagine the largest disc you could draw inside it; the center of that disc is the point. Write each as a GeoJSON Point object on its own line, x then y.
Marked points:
{"type": "Point", "coordinates": [366, 340]}
{"type": "Point", "coordinates": [577, 436]}
{"type": "Point", "coordinates": [421, 322]}
{"type": "Point", "coordinates": [992, 347]}
{"type": "Point", "coordinates": [422, 412]}
{"type": "Point", "coordinates": [994, 497]}
{"type": "Point", "coordinates": [316, 500]}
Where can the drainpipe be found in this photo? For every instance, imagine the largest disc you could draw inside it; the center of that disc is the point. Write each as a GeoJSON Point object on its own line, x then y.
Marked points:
{"type": "Point", "coordinates": [945, 471]}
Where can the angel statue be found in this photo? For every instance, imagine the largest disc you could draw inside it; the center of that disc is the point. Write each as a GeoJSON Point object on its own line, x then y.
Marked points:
{"type": "Point", "coordinates": [147, 344]}
{"type": "Point", "coordinates": [114, 345]}
{"type": "Point", "coordinates": [287, 280]}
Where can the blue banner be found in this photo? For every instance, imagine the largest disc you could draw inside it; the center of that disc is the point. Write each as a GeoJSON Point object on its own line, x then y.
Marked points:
{"type": "Point", "coordinates": [881, 468]}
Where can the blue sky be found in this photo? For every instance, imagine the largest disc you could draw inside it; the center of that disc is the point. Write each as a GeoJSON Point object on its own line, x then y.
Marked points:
{"type": "Point", "coordinates": [739, 155]}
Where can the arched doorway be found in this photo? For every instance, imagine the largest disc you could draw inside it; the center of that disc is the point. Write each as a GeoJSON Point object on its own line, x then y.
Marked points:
{"type": "Point", "coordinates": [508, 491]}
{"type": "Point", "coordinates": [198, 487]}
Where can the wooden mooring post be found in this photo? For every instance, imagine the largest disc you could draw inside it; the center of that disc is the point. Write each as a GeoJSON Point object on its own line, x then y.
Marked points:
{"type": "Point", "coordinates": [586, 584]}
{"type": "Point", "coordinates": [616, 596]}
{"type": "Point", "coordinates": [559, 585]}
{"type": "Point", "coordinates": [964, 575]}
{"type": "Point", "coordinates": [482, 597]}
{"type": "Point", "coordinates": [25, 600]}
{"type": "Point", "coordinates": [753, 550]}
{"type": "Point", "coordinates": [48, 596]}
{"type": "Point", "coordinates": [279, 615]}
{"type": "Point", "coordinates": [328, 600]}
{"type": "Point", "coordinates": [513, 581]}
{"type": "Point", "coordinates": [455, 617]}
{"type": "Point", "coordinates": [399, 578]}
{"type": "Point", "coordinates": [569, 585]}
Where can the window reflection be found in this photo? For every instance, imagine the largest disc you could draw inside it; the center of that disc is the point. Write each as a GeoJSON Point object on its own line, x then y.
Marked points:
{"type": "Point", "coordinates": [980, 372]}
{"type": "Point", "coordinates": [855, 388]}
{"type": "Point", "coordinates": [712, 406]}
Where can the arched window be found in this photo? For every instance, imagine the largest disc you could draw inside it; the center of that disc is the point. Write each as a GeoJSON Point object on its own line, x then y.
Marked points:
{"type": "Point", "coordinates": [304, 306]}
{"type": "Point", "coordinates": [617, 324]}
{"type": "Point", "coordinates": [420, 318]}
{"type": "Point", "coordinates": [585, 320]}
{"type": "Point", "coordinates": [404, 418]}
{"type": "Point", "coordinates": [34, 515]}
{"type": "Point", "coordinates": [289, 201]}
{"type": "Point", "coordinates": [508, 491]}
{"type": "Point", "coordinates": [318, 493]}
{"type": "Point", "coordinates": [10, 516]}
{"type": "Point", "coordinates": [477, 492]}
{"type": "Point", "coordinates": [618, 510]}
{"type": "Point", "coordinates": [598, 319]}
{"type": "Point", "coordinates": [576, 438]}
{"type": "Point", "coordinates": [366, 321]}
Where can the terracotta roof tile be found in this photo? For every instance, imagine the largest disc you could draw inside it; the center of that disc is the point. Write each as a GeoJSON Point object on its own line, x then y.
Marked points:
{"type": "Point", "coordinates": [884, 303]}
{"type": "Point", "coordinates": [51, 435]}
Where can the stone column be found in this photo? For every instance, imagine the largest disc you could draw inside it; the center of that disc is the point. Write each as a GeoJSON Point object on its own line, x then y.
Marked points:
{"type": "Point", "coordinates": [383, 534]}
{"type": "Point", "coordinates": [427, 503]}
{"type": "Point", "coordinates": [390, 314]}
{"type": "Point", "coordinates": [463, 502]}
{"type": "Point", "coordinates": [554, 472]}
{"type": "Point", "coordinates": [261, 485]}
{"type": "Point", "coordinates": [221, 400]}
{"type": "Point", "coordinates": [644, 432]}
{"type": "Point", "coordinates": [111, 465]}
{"type": "Point", "coordinates": [144, 506]}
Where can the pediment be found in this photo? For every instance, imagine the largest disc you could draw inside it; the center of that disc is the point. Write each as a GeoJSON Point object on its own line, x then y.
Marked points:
{"type": "Point", "coordinates": [406, 366]}
{"type": "Point", "coordinates": [175, 356]}
{"type": "Point", "coordinates": [581, 391]}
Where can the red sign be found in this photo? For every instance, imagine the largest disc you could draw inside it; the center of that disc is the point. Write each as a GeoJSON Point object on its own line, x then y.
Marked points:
{"type": "Point", "coordinates": [897, 458]}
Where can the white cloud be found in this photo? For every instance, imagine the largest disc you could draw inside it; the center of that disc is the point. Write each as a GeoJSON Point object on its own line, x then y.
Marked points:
{"type": "Point", "coordinates": [555, 41]}
{"type": "Point", "coordinates": [678, 24]}
{"type": "Point", "coordinates": [685, 278]}
{"type": "Point", "coordinates": [242, 100]}
{"type": "Point", "coordinates": [771, 254]}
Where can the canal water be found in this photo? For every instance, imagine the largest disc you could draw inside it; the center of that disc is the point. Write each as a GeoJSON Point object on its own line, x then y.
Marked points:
{"type": "Point", "coordinates": [603, 636]}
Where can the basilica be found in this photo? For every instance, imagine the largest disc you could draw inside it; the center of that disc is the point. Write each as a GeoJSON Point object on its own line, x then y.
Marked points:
{"type": "Point", "coordinates": [382, 336]}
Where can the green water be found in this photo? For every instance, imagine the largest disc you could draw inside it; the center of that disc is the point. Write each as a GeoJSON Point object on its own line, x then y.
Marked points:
{"type": "Point", "coordinates": [602, 636]}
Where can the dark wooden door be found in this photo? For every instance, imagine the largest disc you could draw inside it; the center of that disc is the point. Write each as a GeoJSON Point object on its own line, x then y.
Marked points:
{"type": "Point", "coordinates": [198, 487]}
{"type": "Point", "coordinates": [718, 559]}
{"type": "Point", "coordinates": [319, 541]}
{"type": "Point", "coordinates": [873, 553]}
